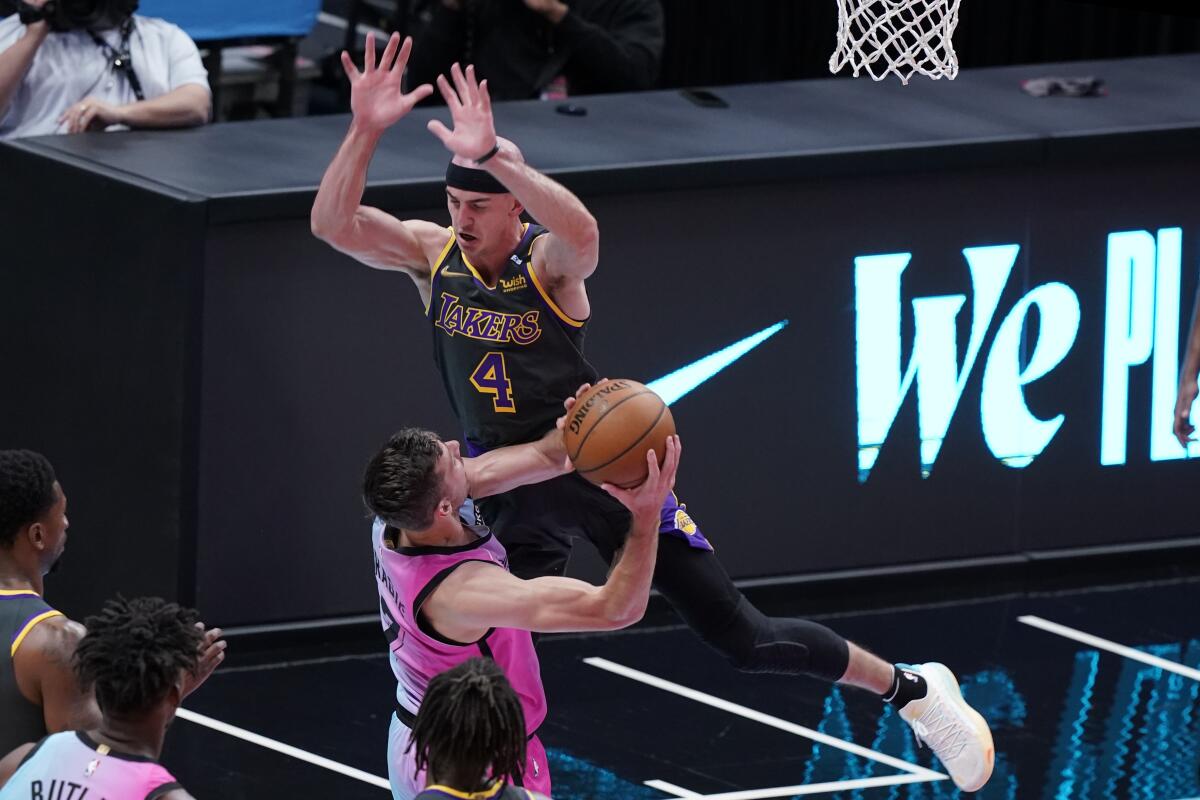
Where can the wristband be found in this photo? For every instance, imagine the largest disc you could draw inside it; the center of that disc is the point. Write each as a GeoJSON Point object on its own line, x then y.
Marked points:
{"type": "Point", "coordinates": [489, 154]}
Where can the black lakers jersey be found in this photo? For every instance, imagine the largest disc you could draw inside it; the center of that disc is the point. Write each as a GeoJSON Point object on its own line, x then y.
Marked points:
{"type": "Point", "coordinates": [20, 611]}
{"type": "Point", "coordinates": [508, 355]}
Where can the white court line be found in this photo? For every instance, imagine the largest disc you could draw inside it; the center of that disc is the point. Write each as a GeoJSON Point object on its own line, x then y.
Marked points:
{"type": "Point", "coordinates": [280, 747]}
{"type": "Point", "coordinates": [765, 719]}
{"type": "Point", "coordinates": [671, 788]}
{"type": "Point", "coordinates": [1112, 647]}
{"type": "Point", "coordinates": [810, 788]}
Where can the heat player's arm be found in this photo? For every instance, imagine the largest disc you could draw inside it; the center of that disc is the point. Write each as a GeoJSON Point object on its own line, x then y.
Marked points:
{"type": "Point", "coordinates": [374, 237]}
{"type": "Point", "coordinates": [478, 596]}
{"type": "Point", "coordinates": [505, 468]}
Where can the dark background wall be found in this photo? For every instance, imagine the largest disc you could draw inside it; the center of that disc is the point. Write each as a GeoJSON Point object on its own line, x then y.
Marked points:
{"type": "Point", "coordinates": [311, 360]}
{"type": "Point", "coordinates": [211, 396]}
{"type": "Point", "coordinates": [297, 335]}
{"type": "Point", "coordinates": [98, 336]}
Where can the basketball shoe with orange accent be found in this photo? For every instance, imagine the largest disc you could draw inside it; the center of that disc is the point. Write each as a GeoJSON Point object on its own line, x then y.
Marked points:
{"type": "Point", "coordinates": [956, 733]}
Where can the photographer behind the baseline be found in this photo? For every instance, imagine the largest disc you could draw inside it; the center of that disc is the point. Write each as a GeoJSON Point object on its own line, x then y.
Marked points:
{"type": "Point", "coordinates": [68, 66]}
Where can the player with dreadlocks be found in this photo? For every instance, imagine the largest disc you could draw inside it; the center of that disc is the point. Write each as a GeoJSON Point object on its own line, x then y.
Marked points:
{"type": "Point", "coordinates": [138, 655]}
{"type": "Point", "coordinates": [469, 736]}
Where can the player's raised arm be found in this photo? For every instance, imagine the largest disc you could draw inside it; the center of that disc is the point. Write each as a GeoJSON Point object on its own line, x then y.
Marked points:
{"type": "Point", "coordinates": [338, 216]}
{"type": "Point", "coordinates": [572, 249]}
{"type": "Point", "coordinates": [478, 596]}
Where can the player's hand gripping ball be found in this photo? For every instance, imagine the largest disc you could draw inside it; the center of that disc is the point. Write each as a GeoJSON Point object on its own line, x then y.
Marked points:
{"type": "Point", "coordinates": [611, 426]}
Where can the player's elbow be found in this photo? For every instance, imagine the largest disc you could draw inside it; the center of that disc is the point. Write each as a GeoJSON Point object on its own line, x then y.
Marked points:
{"type": "Point", "coordinates": [629, 618]}
{"type": "Point", "coordinates": [331, 231]}
{"type": "Point", "coordinates": [584, 247]}
{"type": "Point", "coordinates": [587, 236]}
{"type": "Point", "coordinates": [321, 227]}
{"type": "Point", "coordinates": [623, 615]}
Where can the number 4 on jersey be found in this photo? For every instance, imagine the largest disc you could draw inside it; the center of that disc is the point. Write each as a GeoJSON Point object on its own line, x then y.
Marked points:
{"type": "Point", "coordinates": [490, 378]}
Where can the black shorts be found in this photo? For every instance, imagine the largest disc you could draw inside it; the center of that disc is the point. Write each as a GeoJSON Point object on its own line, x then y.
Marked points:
{"type": "Point", "coordinates": [536, 523]}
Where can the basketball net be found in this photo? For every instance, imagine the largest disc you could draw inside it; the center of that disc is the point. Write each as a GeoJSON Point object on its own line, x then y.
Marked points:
{"type": "Point", "coordinates": [897, 36]}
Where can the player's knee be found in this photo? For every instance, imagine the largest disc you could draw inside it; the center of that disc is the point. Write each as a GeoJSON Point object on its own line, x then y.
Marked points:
{"type": "Point", "coordinates": [791, 647]}
{"type": "Point", "coordinates": [829, 653]}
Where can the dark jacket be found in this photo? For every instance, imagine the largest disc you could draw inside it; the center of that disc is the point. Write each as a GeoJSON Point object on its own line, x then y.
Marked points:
{"type": "Point", "coordinates": [600, 45]}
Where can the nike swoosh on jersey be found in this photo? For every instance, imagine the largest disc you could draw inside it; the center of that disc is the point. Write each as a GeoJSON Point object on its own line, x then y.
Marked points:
{"type": "Point", "coordinates": [452, 274]}
{"type": "Point", "coordinates": [675, 385]}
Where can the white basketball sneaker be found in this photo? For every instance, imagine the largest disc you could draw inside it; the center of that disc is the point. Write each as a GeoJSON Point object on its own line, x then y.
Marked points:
{"type": "Point", "coordinates": [956, 733]}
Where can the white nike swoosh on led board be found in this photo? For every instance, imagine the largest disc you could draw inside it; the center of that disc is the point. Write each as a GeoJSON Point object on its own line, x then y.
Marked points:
{"type": "Point", "coordinates": [675, 385]}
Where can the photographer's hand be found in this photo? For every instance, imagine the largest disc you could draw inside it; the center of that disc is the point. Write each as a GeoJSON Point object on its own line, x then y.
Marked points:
{"type": "Point", "coordinates": [91, 114]}
{"type": "Point", "coordinates": [187, 106]}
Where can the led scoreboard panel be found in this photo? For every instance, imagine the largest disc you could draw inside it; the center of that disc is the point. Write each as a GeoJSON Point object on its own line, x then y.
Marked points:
{"type": "Point", "coordinates": [973, 363]}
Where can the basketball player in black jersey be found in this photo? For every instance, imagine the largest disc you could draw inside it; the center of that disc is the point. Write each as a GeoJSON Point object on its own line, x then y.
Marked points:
{"type": "Point", "coordinates": [508, 308]}
{"type": "Point", "coordinates": [38, 690]}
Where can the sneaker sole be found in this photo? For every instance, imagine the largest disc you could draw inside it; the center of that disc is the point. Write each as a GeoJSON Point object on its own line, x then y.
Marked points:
{"type": "Point", "coordinates": [943, 675]}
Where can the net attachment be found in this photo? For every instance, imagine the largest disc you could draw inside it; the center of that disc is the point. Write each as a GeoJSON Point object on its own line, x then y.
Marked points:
{"type": "Point", "coordinates": [902, 37]}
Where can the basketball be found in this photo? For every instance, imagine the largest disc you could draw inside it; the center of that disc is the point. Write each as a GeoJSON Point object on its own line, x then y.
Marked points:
{"type": "Point", "coordinates": [610, 428]}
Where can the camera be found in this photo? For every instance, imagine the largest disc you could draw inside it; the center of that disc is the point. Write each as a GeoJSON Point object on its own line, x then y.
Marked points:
{"type": "Point", "coordinates": [70, 15]}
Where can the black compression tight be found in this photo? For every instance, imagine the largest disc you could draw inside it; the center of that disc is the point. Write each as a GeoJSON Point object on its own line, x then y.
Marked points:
{"type": "Point", "coordinates": [700, 590]}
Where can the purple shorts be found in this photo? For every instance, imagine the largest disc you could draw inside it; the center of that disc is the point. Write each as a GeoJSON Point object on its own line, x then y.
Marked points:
{"type": "Point", "coordinates": [676, 521]}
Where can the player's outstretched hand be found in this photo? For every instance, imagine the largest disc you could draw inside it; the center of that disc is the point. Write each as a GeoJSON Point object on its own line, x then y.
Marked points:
{"type": "Point", "coordinates": [474, 133]}
{"type": "Point", "coordinates": [212, 653]}
{"type": "Point", "coordinates": [647, 499]}
{"type": "Point", "coordinates": [557, 448]}
{"type": "Point", "coordinates": [569, 403]}
{"type": "Point", "coordinates": [1183, 411]}
{"type": "Point", "coordinates": [376, 96]}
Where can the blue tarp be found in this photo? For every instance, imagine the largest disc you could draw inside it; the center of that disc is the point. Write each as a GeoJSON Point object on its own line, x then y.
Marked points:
{"type": "Point", "coordinates": [208, 20]}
